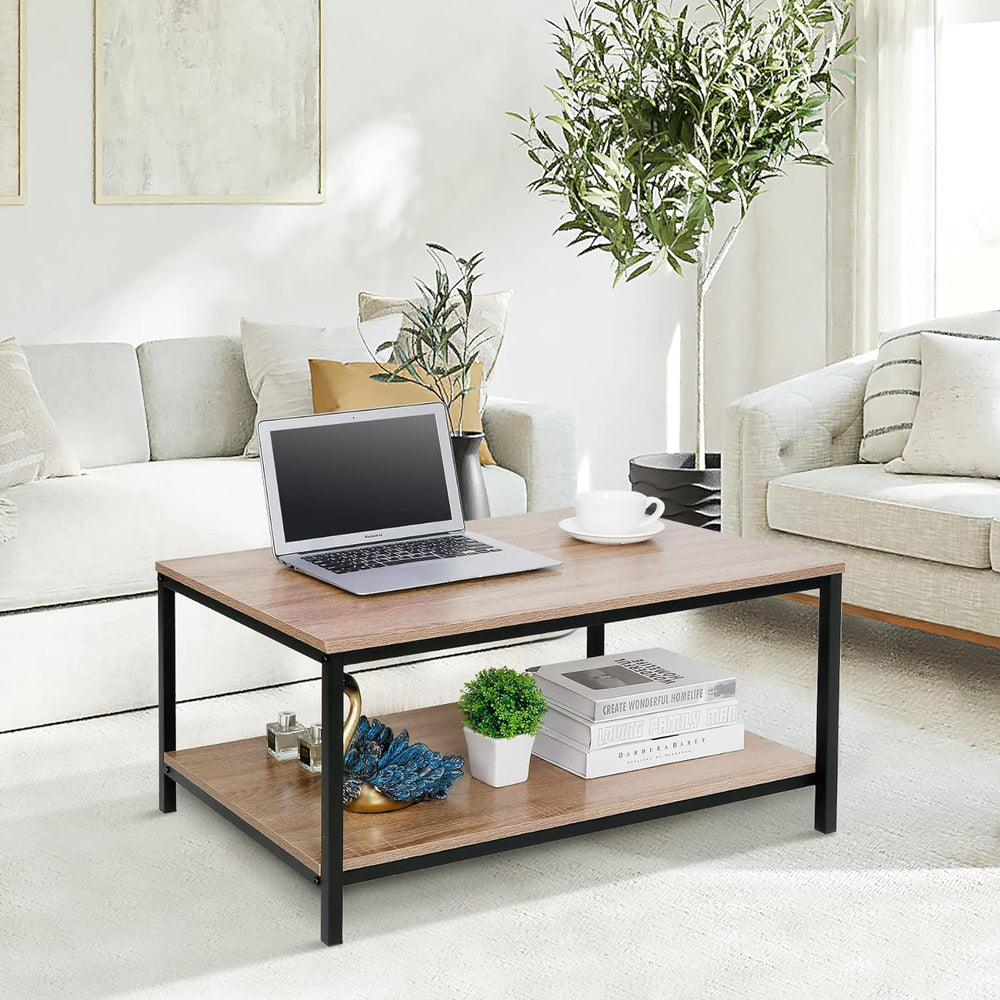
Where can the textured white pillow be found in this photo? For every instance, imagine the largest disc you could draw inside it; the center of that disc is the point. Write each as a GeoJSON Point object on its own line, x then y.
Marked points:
{"type": "Point", "coordinates": [894, 385]}
{"type": "Point", "coordinates": [30, 446]}
{"type": "Point", "coordinates": [956, 428]}
{"type": "Point", "coordinates": [276, 357]}
{"type": "Point", "coordinates": [488, 313]}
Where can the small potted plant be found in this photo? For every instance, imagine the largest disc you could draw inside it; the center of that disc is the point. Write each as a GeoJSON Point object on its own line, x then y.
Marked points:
{"type": "Point", "coordinates": [437, 349]}
{"type": "Point", "coordinates": [502, 709]}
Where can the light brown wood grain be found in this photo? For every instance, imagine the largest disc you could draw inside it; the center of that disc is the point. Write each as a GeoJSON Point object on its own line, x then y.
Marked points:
{"type": "Point", "coordinates": [681, 562]}
{"type": "Point", "coordinates": [282, 801]}
{"type": "Point", "coordinates": [934, 628]}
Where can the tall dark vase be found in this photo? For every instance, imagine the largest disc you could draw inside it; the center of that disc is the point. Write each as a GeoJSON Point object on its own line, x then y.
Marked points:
{"type": "Point", "coordinates": [689, 495]}
{"type": "Point", "coordinates": [471, 485]}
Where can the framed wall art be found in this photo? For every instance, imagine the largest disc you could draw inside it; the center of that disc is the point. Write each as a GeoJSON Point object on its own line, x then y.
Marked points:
{"type": "Point", "coordinates": [208, 101]}
{"type": "Point", "coordinates": [13, 142]}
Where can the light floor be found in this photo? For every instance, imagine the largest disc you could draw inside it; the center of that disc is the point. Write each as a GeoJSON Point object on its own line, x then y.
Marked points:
{"type": "Point", "coordinates": [102, 896]}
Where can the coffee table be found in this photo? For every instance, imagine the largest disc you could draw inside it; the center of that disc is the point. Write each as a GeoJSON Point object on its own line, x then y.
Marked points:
{"type": "Point", "coordinates": [299, 817]}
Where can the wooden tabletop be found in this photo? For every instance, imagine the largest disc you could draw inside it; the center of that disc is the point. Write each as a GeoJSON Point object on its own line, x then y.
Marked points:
{"type": "Point", "coordinates": [680, 562]}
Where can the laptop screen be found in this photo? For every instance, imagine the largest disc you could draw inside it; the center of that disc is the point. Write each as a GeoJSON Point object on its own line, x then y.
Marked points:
{"type": "Point", "coordinates": [359, 477]}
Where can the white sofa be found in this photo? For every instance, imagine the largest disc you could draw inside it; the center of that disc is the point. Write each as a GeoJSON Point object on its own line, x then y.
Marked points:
{"type": "Point", "coordinates": [159, 431]}
{"type": "Point", "coordinates": [924, 548]}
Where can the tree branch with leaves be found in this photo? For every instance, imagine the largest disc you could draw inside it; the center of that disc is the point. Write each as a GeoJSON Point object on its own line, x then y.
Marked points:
{"type": "Point", "coordinates": [663, 118]}
{"type": "Point", "coordinates": [435, 347]}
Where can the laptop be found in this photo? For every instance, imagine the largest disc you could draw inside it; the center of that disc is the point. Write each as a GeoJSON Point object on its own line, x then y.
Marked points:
{"type": "Point", "coordinates": [368, 500]}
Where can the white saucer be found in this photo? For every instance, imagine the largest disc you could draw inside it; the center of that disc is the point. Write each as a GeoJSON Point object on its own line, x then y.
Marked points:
{"type": "Point", "coordinates": [569, 525]}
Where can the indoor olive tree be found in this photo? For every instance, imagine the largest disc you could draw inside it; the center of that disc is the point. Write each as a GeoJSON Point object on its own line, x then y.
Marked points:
{"type": "Point", "coordinates": [662, 117]}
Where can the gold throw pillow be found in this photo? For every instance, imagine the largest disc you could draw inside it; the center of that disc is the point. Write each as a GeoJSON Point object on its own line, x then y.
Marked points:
{"type": "Point", "coordinates": [337, 386]}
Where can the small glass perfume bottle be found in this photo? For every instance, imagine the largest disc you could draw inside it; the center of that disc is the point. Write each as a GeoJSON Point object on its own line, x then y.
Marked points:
{"type": "Point", "coordinates": [311, 748]}
{"type": "Point", "coordinates": [283, 736]}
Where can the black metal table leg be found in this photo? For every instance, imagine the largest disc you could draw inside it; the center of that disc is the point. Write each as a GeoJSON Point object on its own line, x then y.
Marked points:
{"type": "Point", "coordinates": [332, 808]}
{"type": "Point", "coordinates": [167, 653]}
{"type": "Point", "coordinates": [595, 640]}
{"type": "Point", "coordinates": [828, 703]}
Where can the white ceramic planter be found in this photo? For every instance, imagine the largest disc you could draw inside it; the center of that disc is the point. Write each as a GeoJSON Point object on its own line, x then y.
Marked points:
{"type": "Point", "coordinates": [499, 762]}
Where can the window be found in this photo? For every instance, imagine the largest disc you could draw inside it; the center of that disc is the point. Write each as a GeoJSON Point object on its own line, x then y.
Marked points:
{"type": "Point", "coordinates": [967, 183]}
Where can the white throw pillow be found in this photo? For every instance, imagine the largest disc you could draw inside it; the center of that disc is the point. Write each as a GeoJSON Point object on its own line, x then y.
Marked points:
{"type": "Point", "coordinates": [30, 445]}
{"type": "Point", "coordinates": [894, 385]}
{"type": "Point", "coordinates": [276, 357]}
{"type": "Point", "coordinates": [956, 428]}
{"type": "Point", "coordinates": [488, 314]}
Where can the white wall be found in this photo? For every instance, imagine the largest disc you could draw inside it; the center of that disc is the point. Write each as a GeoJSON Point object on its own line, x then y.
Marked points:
{"type": "Point", "coordinates": [419, 150]}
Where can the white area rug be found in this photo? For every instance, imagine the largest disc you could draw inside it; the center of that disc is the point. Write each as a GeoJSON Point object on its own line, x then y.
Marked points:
{"type": "Point", "coordinates": [100, 895]}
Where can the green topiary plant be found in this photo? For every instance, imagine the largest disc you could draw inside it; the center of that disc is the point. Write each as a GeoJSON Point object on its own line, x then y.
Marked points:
{"type": "Point", "coordinates": [502, 703]}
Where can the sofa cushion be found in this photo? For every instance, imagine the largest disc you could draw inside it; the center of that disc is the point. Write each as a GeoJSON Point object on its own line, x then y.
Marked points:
{"type": "Point", "coordinates": [98, 535]}
{"type": "Point", "coordinates": [31, 446]}
{"type": "Point", "coordinates": [94, 396]}
{"type": "Point", "coordinates": [101, 535]}
{"type": "Point", "coordinates": [276, 358]}
{"type": "Point", "coordinates": [941, 518]}
{"type": "Point", "coordinates": [198, 403]}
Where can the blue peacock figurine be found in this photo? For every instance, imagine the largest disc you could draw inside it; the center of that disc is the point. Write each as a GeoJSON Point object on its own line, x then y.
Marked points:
{"type": "Point", "coordinates": [383, 772]}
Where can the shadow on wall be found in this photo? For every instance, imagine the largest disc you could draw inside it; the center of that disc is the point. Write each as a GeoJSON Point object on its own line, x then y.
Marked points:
{"type": "Point", "coordinates": [275, 262]}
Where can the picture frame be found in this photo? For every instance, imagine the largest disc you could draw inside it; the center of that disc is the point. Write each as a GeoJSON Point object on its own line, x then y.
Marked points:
{"type": "Point", "coordinates": [135, 140]}
{"type": "Point", "coordinates": [13, 176]}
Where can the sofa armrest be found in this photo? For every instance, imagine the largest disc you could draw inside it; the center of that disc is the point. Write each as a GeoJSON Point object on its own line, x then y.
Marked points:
{"type": "Point", "coordinates": [810, 422]}
{"type": "Point", "coordinates": [538, 443]}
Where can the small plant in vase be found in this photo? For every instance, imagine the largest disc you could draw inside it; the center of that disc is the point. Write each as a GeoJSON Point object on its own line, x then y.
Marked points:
{"type": "Point", "coordinates": [437, 350]}
{"type": "Point", "coordinates": [502, 709]}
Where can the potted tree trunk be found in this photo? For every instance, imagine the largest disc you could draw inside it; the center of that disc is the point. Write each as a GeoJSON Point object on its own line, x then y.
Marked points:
{"type": "Point", "coordinates": [662, 119]}
{"type": "Point", "coordinates": [502, 709]}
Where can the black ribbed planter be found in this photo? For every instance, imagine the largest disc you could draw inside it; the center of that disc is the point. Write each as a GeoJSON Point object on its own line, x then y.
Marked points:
{"type": "Point", "coordinates": [689, 495]}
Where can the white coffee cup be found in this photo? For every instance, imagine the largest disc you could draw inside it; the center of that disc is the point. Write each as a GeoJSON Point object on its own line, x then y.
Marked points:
{"type": "Point", "coordinates": [616, 512]}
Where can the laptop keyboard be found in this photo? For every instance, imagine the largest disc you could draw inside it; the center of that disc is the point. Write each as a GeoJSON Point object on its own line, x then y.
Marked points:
{"type": "Point", "coordinates": [398, 553]}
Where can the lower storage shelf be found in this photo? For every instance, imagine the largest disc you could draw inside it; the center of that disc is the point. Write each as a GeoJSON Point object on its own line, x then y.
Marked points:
{"type": "Point", "coordinates": [282, 801]}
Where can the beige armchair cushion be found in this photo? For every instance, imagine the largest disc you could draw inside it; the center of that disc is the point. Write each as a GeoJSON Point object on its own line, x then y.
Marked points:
{"type": "Point", "coordinates": [943, 519]}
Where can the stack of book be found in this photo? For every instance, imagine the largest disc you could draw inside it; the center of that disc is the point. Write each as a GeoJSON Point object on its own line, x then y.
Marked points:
{"type": "Point", "coordinates": [609, 714]}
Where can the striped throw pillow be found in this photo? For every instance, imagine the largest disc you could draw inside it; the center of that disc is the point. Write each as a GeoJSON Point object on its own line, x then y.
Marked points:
{"type": "Point", "coordinates": [30, 446]}
{"type": "Point", "coordinates": [894, 384]}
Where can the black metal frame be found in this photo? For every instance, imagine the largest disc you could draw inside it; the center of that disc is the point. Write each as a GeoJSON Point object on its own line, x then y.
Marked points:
{"type": "Point", "coordinates": [334, 878]}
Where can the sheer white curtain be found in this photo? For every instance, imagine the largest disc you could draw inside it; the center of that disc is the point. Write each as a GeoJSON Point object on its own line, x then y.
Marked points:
{"type": "Point", "coordinates": [881, 188]}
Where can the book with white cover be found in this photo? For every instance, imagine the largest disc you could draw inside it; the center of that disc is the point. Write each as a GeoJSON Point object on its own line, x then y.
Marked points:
{"type": "Point", "coordinates": [675, 722]}
{"type": "Point", "coordinates": [637, 683]}
{"type": "Point", "coordinates": [634, 756]}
